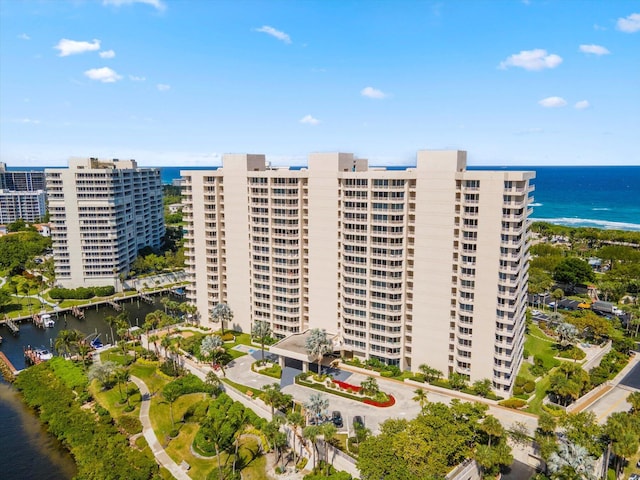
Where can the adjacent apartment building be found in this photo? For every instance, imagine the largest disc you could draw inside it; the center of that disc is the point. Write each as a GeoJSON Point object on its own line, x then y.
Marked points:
{"type": "Point", "coordinates": [102, 212]}
{"type": "Point", "coordinates": [22, 195]}
{"type": "Point", "coordinates": [422, 265]}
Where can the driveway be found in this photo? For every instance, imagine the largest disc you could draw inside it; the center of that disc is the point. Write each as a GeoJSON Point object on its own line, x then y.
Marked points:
{"type": "Point", "coordinates": [405, 407]}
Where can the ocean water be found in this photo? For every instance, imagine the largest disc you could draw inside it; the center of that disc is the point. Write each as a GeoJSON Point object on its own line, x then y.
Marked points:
{"type": "Point", "coordinates": [599, 197]}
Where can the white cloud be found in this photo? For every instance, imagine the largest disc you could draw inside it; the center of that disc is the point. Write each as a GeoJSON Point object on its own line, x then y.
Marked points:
{"type": "Point", "coordinates": [157, 4]}
{"type": "Point", "coordinates": [72, 47]}
{"type": "Point", "coordinates": [553, 102]}
{"type": "Point", "coordinates": [133, 78]}
{"type": "Point", "coordinates": [582, 104]}
{"type": "Point", "coordinates": [107, 54]}
{"type": "Point", "coordinates": [274, 33]}
{"type": "Point", "coordinates": [163, 87]}
{"type": "Point", "coordinates": [630, 24]}
{"type": "Point", "coordinates": [309, 120]}
{"type": "Point", "coordinates": [594, 49]}
{"type": "Point", "coordinates": [371, 92]}
{"type": "Point", "coordinates": [27, 121]}
{"type": "Point", "coordinates": [599, 27]}
{"type": "Point", "coordinates": [104, 74]}
{"type": "Point", "coordinates": [536, 59]}
{"type": "Point", "coordinates": [24, 36]}
{"type": "Point", "coordinates": [529, 131]}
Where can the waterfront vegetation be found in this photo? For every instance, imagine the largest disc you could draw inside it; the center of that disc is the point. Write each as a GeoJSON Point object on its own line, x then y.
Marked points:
{"type": "Point", "coordinates": [95, 442]}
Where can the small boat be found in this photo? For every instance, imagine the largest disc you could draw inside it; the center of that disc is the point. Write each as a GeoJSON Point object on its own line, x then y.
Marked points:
{"type": "Point", "coordinates": [96, 343]}
{"type": "Point", "coordinates": [47, 320]}
{"type": "Point", "coordinates": [43, 354]}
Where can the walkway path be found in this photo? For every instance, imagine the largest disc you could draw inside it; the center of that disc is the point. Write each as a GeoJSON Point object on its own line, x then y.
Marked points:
{"type": "Point", "coordinates": [158, 452]}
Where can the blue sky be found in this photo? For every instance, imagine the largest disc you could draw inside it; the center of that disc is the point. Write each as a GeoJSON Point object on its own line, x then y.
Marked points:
{"type": "Point", "coordinates": [179, 82]}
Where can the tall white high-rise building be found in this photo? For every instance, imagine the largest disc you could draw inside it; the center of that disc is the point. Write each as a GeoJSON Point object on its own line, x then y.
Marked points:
{"type": "Point", "coordinates": [102, 212]}
{"type": "Point", "coordinates": [426, 265]}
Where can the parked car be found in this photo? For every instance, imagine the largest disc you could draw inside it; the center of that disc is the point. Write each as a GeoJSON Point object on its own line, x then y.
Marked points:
{"type": "Point", "coordinates": [634, 476]}
{"type": "Point", "coordinates": [358, 422]}
{"type": "Point", "coordinates": [336, 418]}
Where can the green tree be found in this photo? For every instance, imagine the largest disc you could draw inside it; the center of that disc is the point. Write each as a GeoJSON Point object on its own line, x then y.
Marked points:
{"type": "Point", "coordinates": [223, 314]}
{"type": "Point", "coordinates": [369, 387]}
{"type": "Point", "coordinates": [102, 372]}
{"type": "Point", "coordinates": [317, 404]}
{"type": "Point", "coordinates": [571, 462]}
{"type": "Point", "coordinates": [457, 381]}
{"type": "Point", "coordinates": [122, 375]}
{"type": "Point", "coordinates": [572, 271]}
{"type": "Point", "coordinates": [557, 295]}
{"type": "Point", "coordinates": [67, 341]}
{"type": "Point", "coordinates": [623, 432]}
{"type": "Point", "coordinates": [482, 387]}
{"type": "Point", "coordinates": [420, 397]}
{"type": "Point", "coordinates": [430, 373]}
{"type": "Point", "coordinates": [311, 433]}
{"type": "Point", "coordinates": [261, 331]}
{"type": "Point", "coordinates": [318, 344]}
{"type": "Point", "coordinates": [213, 381]}
{"type": "Point", "coordinates": [492, 427]}
{"type": "Point", "coordinates": [295, 420]}
{"type": "Point", "coordinates": [171, 392]}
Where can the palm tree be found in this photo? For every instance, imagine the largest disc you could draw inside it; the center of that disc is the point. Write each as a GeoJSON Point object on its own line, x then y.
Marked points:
{"type": "Point", "coordinates": [154, 339]}
{"type": "Point", "coordinates": [317, 404]}
{"type": "Point", "coordinates": [430, 373]}
{"type": "Point", "coordinates": [421, 398]}
{"type": "Point", "coordinates": [214, 382]}
{"type": "Point", "coordinates": [67, 340]}
{"type": "Point", "coordinates": [318, 344]}
{"type": "Point", "coordinates": [311, 433]}
{"type": "Point", "coordinates": [165, 343]}
{"type": "Point", "coordinates": [557, 295]}
{"type": "Point", "coordinates": [492, 427]}
{"type": "Point", "coordinates": [112, 321]}
{"type": "Point", "coordinates": [170, 393]}
{"type": "Point", "coordinates": [329, 432]}
{"type": "Point", "coordinates": [122, 377]}
{"type": "Point", "coordinates": [83, 350]}
{"type": "Point", "coordinates": [571, 462]}
{"type": "Point", "coordinates": [271, 395]}
{"type": "Point", "coordinates": [261, 331]}
{"type": "Point", "coordinates": [295, 419]}
{"type": "Point", "coordinates": [221, 313]}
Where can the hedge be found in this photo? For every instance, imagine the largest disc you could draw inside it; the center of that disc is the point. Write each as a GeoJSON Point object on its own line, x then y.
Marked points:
{"type": "Point", "coordinates": [81, 293]}
{"type": "Point", "coordinates": [513, 403]}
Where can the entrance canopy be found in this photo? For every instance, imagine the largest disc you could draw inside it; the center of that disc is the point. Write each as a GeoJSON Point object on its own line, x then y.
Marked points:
{"type": "Point", "coordinates": [293, 346]}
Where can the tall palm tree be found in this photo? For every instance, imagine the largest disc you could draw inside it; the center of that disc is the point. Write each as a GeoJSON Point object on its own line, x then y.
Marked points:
{"type": "Point", "coordinates": [295, 420]}
{"type": "Point", "coordinates": [492, 427]}
{"type": "Point", "coordinates": [311, 433]}
{"type": "Point", "coordinates": [261, 331]}
{"type": "Point", "coordinates": [122, 377]}
{"type": "Point", "coordinates": [221, 313]}
{"type": "Point", "coordinates": [271, 395]}
{"type": "Point", "coordinates": [318, 344]}
{"type": "Point", "coordinates": [329, 432]}
{"type": "Point", "coordinates": [154, 339]}
{"type": "Point", "coordinates": [317, 404]}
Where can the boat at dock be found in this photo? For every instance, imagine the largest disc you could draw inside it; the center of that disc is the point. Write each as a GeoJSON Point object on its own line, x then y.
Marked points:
{"type": "Point", "coordinates": [47, 320]}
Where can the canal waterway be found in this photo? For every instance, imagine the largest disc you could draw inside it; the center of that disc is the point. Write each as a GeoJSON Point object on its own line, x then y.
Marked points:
{"type": "Point", "coordinates": [28, 451]}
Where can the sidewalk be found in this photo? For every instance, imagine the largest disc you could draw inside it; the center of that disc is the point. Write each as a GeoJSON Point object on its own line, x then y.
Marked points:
{"type": "Point", "coordinates": [158, 452]}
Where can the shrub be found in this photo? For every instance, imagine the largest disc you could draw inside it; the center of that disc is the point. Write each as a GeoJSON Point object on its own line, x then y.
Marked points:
{"type": "Point", "coordinates": [386, 374]}
{"type": "Point", "coordinates": [174, 433]}
{"type": "Point", "coordinates": [228, 337]}
{"type": "Point", "coordinates": [513, 403]}
{"type": "Point", "coordinates": [171, 369]}
{"type": "Point", "coordinates": [529, 386]}
{"type": "Point", "coordinates": [191, 384]}
{"type": "Point", "coordinates": [129, 408]}
{"type": "Point", "coordinates": [130, 424]}
{"type": "Point", "coordinates": [518, 390]}
{"type": "Point", "coordinates": [526, 354]}
{"type": "Point", "coordinates": [302, 463]}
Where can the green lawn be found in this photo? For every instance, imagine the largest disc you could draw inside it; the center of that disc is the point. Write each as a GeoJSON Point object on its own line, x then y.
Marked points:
{"type": "Point", "coordinates": [537, 343]}
{"type": "Point", "coordinates": [160, 413]}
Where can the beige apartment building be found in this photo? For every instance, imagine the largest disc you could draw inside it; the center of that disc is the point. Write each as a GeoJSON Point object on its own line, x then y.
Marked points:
{"type": "Point", "coordinates": [425, 265]}
{"type": "Point", "coordinates": [102, 212]}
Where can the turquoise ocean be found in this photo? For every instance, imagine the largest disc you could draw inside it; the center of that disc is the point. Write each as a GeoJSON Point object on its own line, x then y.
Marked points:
{"type": "Point", "coordinates": [599, 197]}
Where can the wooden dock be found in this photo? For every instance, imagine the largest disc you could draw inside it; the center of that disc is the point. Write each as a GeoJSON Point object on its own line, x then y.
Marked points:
{"type": "Point", "coordinates": [37, 320]}
{"type": "Point", "coordinates": [32, 356]}
{"type": "Point", "coordinates": [115, 305]}
{"type": "Point", "coordinates": [77, 312]}
{"type": "Point", "coordinates": [12, 326]}
{"type": "Point", "coordinates": [9, 366]}
{"type": "Point", "coordinates": [145, 298]}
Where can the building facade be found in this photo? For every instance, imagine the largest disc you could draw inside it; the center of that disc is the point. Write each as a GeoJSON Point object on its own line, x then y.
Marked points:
{"type": "Point", "coordinates": [102, 212]}
{"type": "Point", "coordinates": [21, 181]}
{"type": "Point", "coordinates": [427, 265]}
{"type": "Point", "coordinates": [29, 206]}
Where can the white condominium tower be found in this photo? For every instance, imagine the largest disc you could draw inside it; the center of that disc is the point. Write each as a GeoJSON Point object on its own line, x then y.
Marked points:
{"type": "Point", "coordinates": [424, 265]}
{"type": "Point", "coordinates": [102, 212]}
